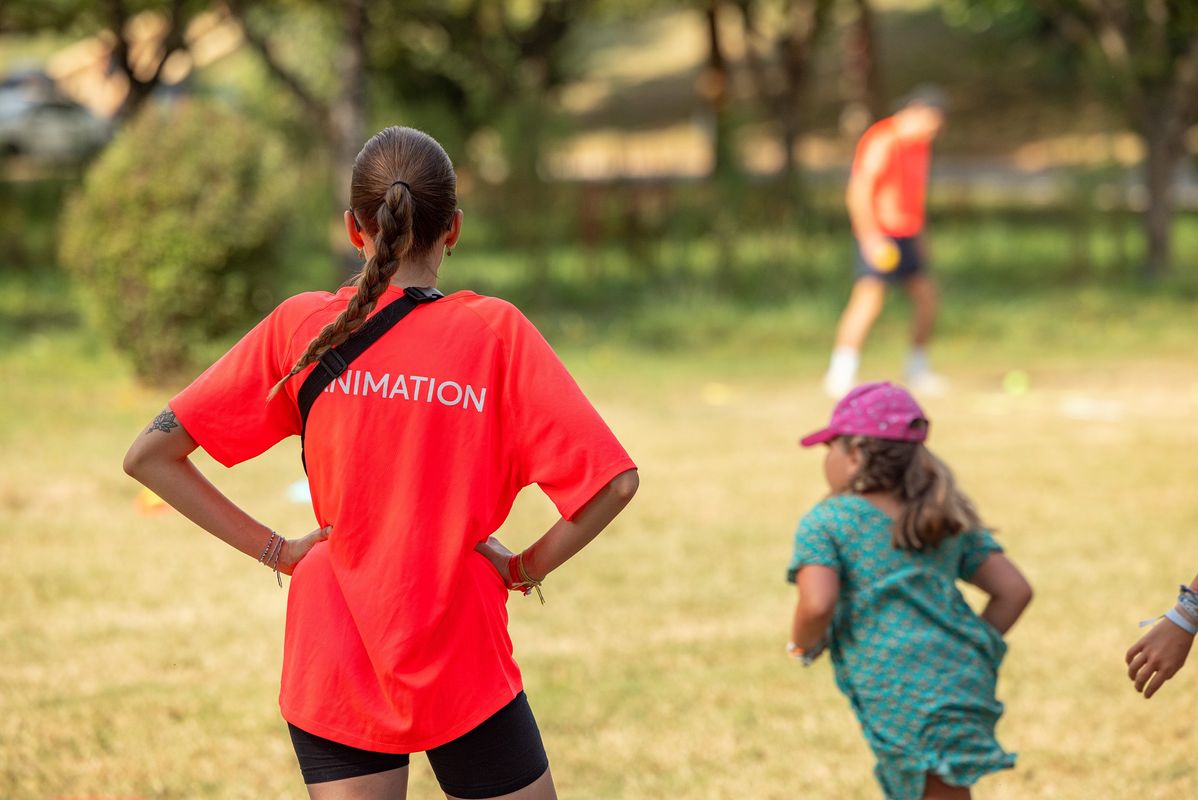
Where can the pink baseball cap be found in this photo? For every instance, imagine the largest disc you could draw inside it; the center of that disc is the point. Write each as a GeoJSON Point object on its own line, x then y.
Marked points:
{"type": "Point", "coordinates": [881, 410]}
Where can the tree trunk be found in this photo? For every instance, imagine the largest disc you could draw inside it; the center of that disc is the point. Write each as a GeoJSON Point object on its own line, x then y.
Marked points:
{"type": "Point", "coordinates": [714, 89]}
{"type": "Point", "coordinates": [861, 61]}
{"type": "Point", "coordinates": [791, 130]}
{"type": "Point", "coordinates": [139, 92]}
{"type": "Point", "coordinates": [1164, 142]}
{"type": "Point", "coordinates": [347, 123]}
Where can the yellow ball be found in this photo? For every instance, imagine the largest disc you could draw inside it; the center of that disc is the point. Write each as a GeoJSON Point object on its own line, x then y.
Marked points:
{"type": "Point", "coordinates": [887, 257]}
{"type": "Point", "coordinates": [1016, 382]}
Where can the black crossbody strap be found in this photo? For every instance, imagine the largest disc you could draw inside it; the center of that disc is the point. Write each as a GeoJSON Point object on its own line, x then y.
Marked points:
{"type": "Point", "coordinates": [338, 359]}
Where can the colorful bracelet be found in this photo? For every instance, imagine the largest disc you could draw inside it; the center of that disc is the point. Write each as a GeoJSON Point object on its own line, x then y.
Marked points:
{"type": "Point", "coordinates": [1188, 600]}
{"type": "Point", "coordinates": [520, 580]}
{"type": "Point", "coordinates": [807, 657]}
{"type": "Point", "coordinates": [1178, 619]}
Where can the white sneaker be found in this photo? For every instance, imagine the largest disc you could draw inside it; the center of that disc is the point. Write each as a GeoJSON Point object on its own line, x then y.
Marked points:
{"type": "Point", "coordinates": [927, 383]}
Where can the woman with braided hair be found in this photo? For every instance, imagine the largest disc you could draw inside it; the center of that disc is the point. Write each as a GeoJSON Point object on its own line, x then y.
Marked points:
{"type": "Point", "coordinates": [396, 635]}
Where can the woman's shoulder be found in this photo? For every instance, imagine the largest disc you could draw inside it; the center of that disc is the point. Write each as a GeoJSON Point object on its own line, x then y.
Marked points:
{"type": "Point", "coordinates": [484, 305]}
{"type": "Point", "coordinates": [304, 304]}
{"type": "Point", "coordinates": [503, 318]}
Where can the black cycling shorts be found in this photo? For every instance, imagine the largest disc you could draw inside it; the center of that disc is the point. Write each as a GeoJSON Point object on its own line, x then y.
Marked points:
{"type": "Point", "coordinates": [502, 755]}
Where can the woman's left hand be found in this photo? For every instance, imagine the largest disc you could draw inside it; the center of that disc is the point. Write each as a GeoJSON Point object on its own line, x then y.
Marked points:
{"type": "Point", "coordinates": [294, 550]}
{"type": "Point", "coordinates": [498, 555]}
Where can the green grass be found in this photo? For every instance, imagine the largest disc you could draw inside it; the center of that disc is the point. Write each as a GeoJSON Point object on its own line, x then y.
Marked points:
{"type": "Point", "coordinates": [139, 657]}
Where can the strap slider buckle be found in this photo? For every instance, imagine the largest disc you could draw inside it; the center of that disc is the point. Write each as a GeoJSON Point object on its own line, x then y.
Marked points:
{"type": "Point", "coordinates": [421, 294]}
{"type": "Point", "coordinates": [333, 364]}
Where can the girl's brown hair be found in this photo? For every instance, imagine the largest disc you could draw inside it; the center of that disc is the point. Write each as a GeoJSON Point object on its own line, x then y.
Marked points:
{"type": "Point", "coordinates": [404, 194]}
{"type": "Point", "coordinates": [933, 507]}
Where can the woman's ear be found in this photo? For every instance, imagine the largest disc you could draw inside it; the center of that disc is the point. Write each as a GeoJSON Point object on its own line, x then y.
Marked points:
{"type": "Point", "coordinates": [352, 229]}
{"type": "Point", "coordinates": [455, 229]}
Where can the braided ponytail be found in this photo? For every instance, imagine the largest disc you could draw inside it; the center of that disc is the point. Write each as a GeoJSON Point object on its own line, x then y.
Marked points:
{"type": "Point", "coordinates": [391, 243]}
{"type": "Point", "coordinates": [404, 194]}
{"type": "Point", "coordinates": [933, 507]}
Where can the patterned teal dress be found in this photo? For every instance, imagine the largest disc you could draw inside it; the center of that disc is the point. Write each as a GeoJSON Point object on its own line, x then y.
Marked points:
{"type": "Point", "coordinates": [917, 664]}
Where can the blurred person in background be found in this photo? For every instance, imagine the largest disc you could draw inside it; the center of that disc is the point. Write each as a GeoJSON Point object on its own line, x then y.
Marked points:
{"type": "Point", "coordinates": [396, 634]}
{"type": "Point", "coordinates": [886, 202]}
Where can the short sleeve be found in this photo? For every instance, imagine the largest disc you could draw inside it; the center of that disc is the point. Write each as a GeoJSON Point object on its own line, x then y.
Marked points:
{"type": "Point", "coordinates": [814, 544]}
{"type": "Point", "coordinates": [975, 547]}
{"type": "Point", "coordinates": [226, 409]}
{"type": "Point", "coordinates": [561, 442]}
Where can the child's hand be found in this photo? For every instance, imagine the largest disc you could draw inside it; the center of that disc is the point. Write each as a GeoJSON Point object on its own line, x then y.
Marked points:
{"type": "Point", "coordinates": [1158, 656]}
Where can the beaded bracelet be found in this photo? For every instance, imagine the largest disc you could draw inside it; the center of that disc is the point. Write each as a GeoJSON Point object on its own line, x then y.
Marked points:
{"type": "Point", "coordinates": [270, 555]}
{"type": "Point", "coordinates": [515, 567]}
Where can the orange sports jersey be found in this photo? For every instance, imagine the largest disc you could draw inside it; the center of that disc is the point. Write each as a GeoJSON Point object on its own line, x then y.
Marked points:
{"type": "Point", "coordinates": [900, 189]}
{"type": "Point", "coordinates": [396, 636]}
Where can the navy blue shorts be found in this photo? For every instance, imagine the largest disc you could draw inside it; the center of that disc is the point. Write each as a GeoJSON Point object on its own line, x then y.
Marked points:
{"type": "Point", "coordinates": [910, 264]}
{"type": "Point", "coordinates": [502, 755]}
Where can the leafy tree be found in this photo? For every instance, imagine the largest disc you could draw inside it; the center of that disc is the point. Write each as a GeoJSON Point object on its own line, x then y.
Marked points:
{"type": "Point", "coordinates": [1141, 53]}
{"type": "Point", "coordinates": [173, 233]}
{"type": "Point", "coordinates": [484, 64]}
{"type": "Point", "coordinates": [112, 17]}
{"type": "Point", "coordinates": [339, 116]}
{"type": "Point", "coordinates": [781, 62]}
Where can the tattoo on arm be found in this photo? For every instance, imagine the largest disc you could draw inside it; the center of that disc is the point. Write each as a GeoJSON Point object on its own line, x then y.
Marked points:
{"type": "Point", "coordinates": [164, 422]}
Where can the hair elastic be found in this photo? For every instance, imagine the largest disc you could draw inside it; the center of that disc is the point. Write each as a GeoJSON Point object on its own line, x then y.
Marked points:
{"type": "Point", "coordinates": [405, 183]}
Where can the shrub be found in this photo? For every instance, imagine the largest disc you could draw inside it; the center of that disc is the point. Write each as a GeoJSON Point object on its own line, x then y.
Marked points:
{"type": "Point", "coordinates": [172, 236]}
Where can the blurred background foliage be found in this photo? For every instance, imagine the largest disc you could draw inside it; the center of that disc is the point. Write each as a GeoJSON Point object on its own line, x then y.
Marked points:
{"type": "Point", "coordinates": [175, 234]}
{"type": "Point", "coordinates": [615, 156]}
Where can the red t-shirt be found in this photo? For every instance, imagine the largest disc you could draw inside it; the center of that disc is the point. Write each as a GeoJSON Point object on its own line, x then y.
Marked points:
{"type": "Point", "coordinates": [901, 185]}
{"type": "Point", "coordinates": [396, 636]}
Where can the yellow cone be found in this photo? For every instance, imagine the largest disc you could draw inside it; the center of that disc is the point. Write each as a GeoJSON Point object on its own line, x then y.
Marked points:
{"type": "Point", "coordinates": [149, 503]}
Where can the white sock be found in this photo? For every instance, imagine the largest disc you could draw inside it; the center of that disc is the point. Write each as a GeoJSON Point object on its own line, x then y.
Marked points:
{"type": "Point", "coordinates": [918, 362]}
{"type": "Point", "coordinates": [843, 364]}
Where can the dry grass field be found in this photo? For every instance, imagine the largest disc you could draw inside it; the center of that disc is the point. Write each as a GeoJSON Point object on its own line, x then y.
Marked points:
{"type": "Point", "coordinates": [139, 657]}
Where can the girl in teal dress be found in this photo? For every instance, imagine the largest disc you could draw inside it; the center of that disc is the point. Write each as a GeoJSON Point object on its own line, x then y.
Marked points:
{"type": "Point", "coordinates": [876, 565]}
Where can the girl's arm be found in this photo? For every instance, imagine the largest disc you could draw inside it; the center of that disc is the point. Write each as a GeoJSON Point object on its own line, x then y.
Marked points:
{"type": "Point", "coordinates": [1009, 591]}
{"type": "Point", "coordinates": [819, 589]}
{"type": "Point", "coordinates": [158, 458]}
{"type": "Point", "coordinates": [558, 544]}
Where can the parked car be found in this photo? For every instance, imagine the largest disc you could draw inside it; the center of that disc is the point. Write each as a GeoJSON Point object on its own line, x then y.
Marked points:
{"type": "Point", "coordinates": [37, 122]}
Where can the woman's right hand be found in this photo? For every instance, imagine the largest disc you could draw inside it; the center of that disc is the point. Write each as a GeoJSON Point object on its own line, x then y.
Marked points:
{"type": "Point", "coordinates": [498, 555]}
{"type": "Point", "coordinates": [294, 550]}
{"type": "Point", "coordinates": [1158, 656]}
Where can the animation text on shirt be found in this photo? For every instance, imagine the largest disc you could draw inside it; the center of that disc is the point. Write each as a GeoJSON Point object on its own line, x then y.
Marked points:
{"type": "Point", "coordinates": [414, 388]}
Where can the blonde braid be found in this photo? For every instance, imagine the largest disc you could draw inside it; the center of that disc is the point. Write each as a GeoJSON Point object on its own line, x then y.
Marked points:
{"type": "Point", "coordinates": [391, 243]}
